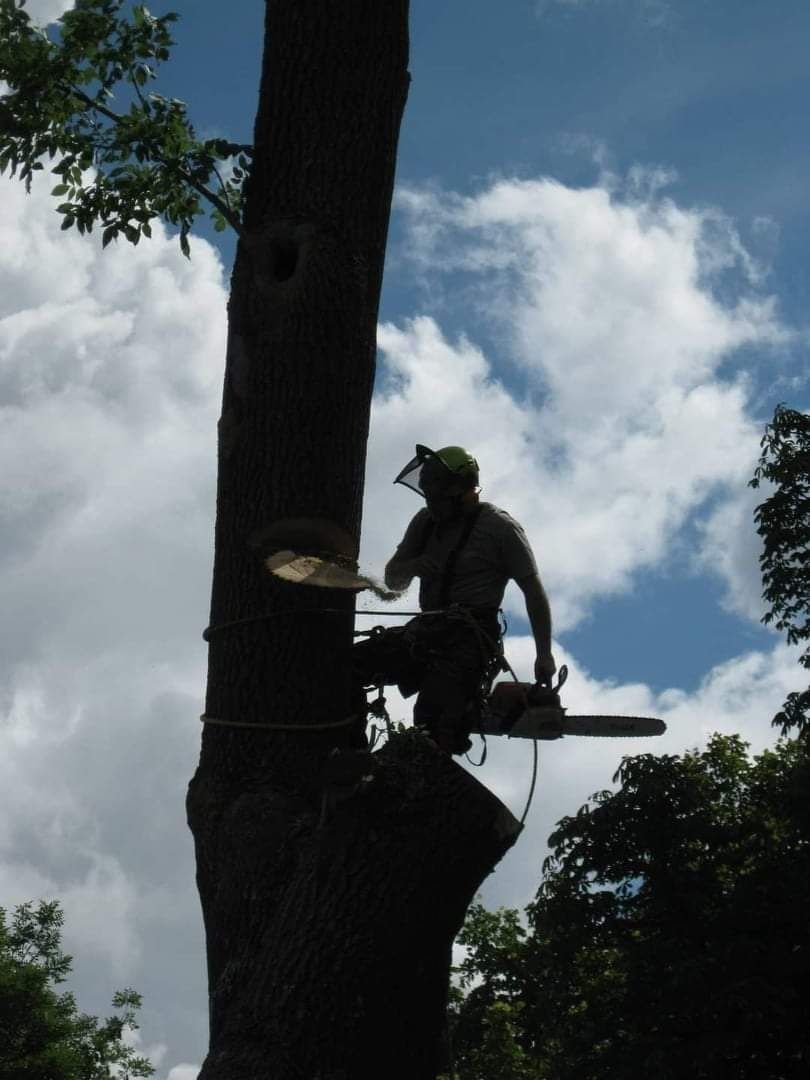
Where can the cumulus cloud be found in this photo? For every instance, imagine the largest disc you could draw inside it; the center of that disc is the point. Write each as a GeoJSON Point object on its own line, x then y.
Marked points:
{"type": "Point", "coordinates": [731, 548]}
{"type": "Point", "coordinates": [737, 697]}
{"type": "Point", "coordinates": [110, 377]}
{"type": "Point", "coordinates": [183, 1072]}
{"type": "Point", "coordinates": [110, 370]}
{"type": "Point", "coordinates": [623, 313]}
{"type": "Point", "coordinates": [740, 696]}
{"type": "Point", "coordinates": [43, 12]}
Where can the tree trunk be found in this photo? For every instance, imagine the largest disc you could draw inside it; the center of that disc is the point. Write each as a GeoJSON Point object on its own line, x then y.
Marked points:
{"type": "Point", "coordinates": [330, 901]}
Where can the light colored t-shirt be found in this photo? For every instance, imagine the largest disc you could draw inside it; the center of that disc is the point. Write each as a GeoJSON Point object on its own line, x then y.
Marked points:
{"type": "Point", "coordinates": [496, 551]}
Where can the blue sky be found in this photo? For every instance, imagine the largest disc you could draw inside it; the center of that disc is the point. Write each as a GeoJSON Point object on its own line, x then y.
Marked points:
{"type": "Point", "coordinates": [570, 90]}
{"type": "Point", "coordinates": [596, 279]}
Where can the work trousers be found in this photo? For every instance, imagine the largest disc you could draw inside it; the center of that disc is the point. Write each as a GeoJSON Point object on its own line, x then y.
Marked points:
{"type": "Point", "coordinates": [443, 659]}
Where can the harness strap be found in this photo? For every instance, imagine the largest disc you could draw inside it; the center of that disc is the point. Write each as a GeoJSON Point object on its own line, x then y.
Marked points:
{"type": "Point", "coordinates": [448, 572]}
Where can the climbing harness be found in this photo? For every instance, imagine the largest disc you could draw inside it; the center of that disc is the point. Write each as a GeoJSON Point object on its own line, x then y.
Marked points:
{"type": "Point", "coordinates": [449, 569]}
{"type": "Point", "coordinates": [376, 708]}
{"type": "Point", "coordinates": [496, 662]}
{"type": "Point", "coordinates": [537, 720]}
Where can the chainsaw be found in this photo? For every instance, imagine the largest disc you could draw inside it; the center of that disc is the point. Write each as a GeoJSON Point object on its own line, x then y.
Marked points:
{"type": "Point", "coordinates": [529, 711]}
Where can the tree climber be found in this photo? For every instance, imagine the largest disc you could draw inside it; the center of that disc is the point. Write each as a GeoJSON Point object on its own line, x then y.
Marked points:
{"type": "Point", "coordinates": [464, 552]}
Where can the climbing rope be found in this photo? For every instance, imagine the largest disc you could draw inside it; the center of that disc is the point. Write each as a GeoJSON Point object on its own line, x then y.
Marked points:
{"type": "Point", "coordinates": [478, 764]}
{"type": "Point", "coordinates": [279, 727]}
{"type": "Point", "coordinates": [525, 813]}
{"type": "Point", "coordinates": [454, 611]}
{"type": "Point", "coordinates": [234, 623]}
{"type": "Point", "coordinates": [508, 667]}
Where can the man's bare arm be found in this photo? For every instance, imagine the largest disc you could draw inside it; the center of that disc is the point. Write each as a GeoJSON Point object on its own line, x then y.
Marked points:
{"type": "Point", "coordinates": [399, 573]}
{"type": "Point", "coordinates": [539, 612]}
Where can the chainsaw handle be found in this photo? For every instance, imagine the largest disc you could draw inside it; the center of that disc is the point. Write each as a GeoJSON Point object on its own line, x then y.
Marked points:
{"type": "Point", "coordinates": [546, 696]}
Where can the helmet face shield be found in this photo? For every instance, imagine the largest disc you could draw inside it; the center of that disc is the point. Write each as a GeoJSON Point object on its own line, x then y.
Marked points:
{"type": "Point", "coordinates": [431, 477]}
{"type": "Point", "coordinates": [411, 475]}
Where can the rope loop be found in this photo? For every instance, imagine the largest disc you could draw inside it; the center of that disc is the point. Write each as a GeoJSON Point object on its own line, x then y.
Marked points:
{"type": "Point", "coordinates": [279, 727]}
{"type": "Point", "coordinates": [454, 611]}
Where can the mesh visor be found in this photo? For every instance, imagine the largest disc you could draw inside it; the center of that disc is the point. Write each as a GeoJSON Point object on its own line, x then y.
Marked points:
{"type": "Point", "coordinates": [411, 475]}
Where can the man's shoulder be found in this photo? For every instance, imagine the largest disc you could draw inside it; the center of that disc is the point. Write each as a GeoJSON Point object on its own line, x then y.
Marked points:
{"type": "Point", "coordinates": [419, 518]}
{"type": "Point", "coordinates": [417, 527]}
{"type": "Point", "coordinates": [512, 542]}
{"type": "Point", "coordinates": [497, 519]}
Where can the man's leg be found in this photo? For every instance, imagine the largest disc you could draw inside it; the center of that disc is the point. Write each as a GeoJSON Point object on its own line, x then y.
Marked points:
{"type": "Point", "coordinates": [440, 709]}
{"type": "Point", "coordinates": [451, 683]}
{"type": "Point", "coordinates": [384, 659]}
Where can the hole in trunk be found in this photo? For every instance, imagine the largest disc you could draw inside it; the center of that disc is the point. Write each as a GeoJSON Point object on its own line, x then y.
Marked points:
{"type": "Point", "coordinates": [283, 259]}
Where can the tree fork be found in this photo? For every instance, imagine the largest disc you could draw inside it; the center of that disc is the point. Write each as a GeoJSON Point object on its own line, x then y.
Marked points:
{"type": "Point", "coordinates": [339, 967]}
{"type": "Point", "coordinates": [328, 921]}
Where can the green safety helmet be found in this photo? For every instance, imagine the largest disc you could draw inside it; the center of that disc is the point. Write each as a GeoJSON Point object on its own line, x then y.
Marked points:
{"type": "Point", "coordinates": [451, 463]}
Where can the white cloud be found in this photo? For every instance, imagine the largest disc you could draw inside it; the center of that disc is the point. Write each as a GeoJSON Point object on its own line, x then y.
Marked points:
{"type": "Point", "coordinates": [110, 379]}
{"type": "Point", "coordinates": [183, 1072]}
{"type": "Point", "coordinates": [740, 696]}
{"type": "Point", "coordinates": [598, 509]}
{"type": "Point", "coordinates": [110, 369]}
{"type": "Point", "coordinates": [609, 306]}
{"type": "Point", "coordinates": [94, 884]}
{"type": "Point", "coordinates": [43, 12]}
{"type": "Point", "coordinates": [730, 547]}
{"type": "Point", "coordinates": [133, 1038]}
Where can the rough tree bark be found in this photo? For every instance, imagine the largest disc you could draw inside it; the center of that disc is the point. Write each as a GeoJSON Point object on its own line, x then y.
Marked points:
{"type": "Point", "coordinates": [328, 923]}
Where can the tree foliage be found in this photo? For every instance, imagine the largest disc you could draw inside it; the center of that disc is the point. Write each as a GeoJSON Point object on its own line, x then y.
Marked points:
{"type": "Point", "coordinates": [783, 522]}
{"type": "Point", "coordinates": [669, 936]}
{"type": "Point", "coordinates": [123, 154]}
{"type": "Point", "coordinates": [43, 1036]}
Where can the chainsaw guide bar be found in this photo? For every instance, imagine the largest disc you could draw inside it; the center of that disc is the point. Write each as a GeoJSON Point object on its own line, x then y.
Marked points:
{"type": "Point", "coordinates": [546, 723]}
{"type": "Point", "coordinates": [525, 711]}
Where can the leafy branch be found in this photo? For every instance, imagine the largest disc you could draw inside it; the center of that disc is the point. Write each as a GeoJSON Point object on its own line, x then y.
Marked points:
{"type": "Point", "coordinates": [118, 167]}
{"type": "Point", "coordinates": [42, 1032]}
{"type": "Point", "coordinates": [783, 522]}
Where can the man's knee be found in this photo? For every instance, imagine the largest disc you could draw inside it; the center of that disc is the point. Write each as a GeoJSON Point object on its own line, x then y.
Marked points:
{"type": "Point", "coordinates": [441, 709]}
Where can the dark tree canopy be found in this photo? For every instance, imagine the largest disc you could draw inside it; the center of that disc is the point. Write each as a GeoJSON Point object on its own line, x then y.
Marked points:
{"type": "Point", "coordinates": [43, 1036]}
{"type": "Point", "coordinates": [669, 936]}
{"type": "Point", "coordinates": [783, 522]}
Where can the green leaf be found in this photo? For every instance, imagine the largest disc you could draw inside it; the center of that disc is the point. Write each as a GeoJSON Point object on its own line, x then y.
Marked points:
{"type": "Point", "coordinates": [144, 163]}
{"type": "Point", "coordinates": [50, 1037]}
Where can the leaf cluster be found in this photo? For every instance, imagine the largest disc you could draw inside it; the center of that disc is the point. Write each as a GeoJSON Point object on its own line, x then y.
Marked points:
{"type": "Point", "coordinates": [119, 167]}
{"type": "Point", "coordinates": [43, 1036]}
{"type": "Point", "coordinates": [783, 522]}
{"type": "Point", "coordinates": [669, 935]}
